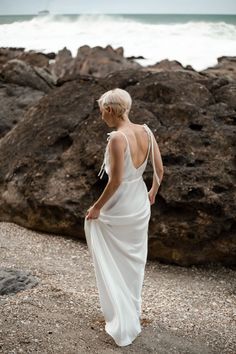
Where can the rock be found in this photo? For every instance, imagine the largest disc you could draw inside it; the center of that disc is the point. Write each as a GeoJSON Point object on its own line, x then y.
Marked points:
{"type": "Point", "coordinates": [63, 63]}
{"type": "Point", "coordinates": [24, 79]}
{"type": "Point", "coordinates": [50, 160]}
{"type": "Point", "coordinates": [58, 142]}
{"type": "Point", "coordinates": [14, 101]}
{"type": "Point", "coordinates": [119, 51]}
{"type": "Point", "coordinates": [18, 72]}
{"type": "Point", "coordinates": [226, 67]}
{"type": "Point", "coordinates": [31, 57]}
{"type": "Point", "coordinates": [165, 65]}
{"type": "Point", "coordinates": [26, 76]}
{"type": "Point", "coordinates": [12, 281]}
{"type": "Point", "coordinates": [38, 59]}
{"type": "Point", "coordinates": [227, 94]}
{"type": "Point", "coordinates": [132, 57]}
{"type": "Point", "coordinates": [96, 61]}
{"type": "Point", "coordinates": [7, 54]}
{"type": "Point", "coordinates": [169, 87]}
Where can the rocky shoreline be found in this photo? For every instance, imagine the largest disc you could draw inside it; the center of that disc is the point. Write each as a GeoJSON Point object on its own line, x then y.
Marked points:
{"type": "Point", "coordinates": [52, 142]}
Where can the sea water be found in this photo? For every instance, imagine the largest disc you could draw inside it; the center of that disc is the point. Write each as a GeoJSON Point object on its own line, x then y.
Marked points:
{"type": "Point", "coordinates": [196, 40]}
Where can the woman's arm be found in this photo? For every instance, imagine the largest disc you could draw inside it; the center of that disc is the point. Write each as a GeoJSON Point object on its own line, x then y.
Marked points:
{"type": "Point", "coordinates": [158, 169]}
{"type": "Point", "coordinates": [116, 148]}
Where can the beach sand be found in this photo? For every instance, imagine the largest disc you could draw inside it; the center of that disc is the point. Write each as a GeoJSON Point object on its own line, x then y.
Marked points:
{"type": "Point", "coordinates": [184, 310]}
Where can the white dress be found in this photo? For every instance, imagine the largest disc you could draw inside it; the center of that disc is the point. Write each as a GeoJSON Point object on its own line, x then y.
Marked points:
{"type": "Point", "coordinates": [118, 242]}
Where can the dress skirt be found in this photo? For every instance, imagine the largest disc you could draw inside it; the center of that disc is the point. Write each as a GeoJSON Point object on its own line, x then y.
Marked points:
{"type": "Point", "coordinates": [118, 242]}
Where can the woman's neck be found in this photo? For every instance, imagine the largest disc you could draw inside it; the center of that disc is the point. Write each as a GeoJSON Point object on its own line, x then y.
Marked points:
{"type": "Point", "coordinates": [122, 123]}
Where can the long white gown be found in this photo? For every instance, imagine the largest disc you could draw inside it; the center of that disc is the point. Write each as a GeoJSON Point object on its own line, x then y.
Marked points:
{"type": "Point", "coordinates": [117, 242]}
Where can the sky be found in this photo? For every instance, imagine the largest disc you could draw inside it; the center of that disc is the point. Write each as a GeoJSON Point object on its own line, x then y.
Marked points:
{"type": "Point", "coordinates": [119, 6]}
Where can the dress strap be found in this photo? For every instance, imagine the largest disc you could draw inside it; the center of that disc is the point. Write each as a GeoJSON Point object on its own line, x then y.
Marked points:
{"type": "Point", "coordinates": [152, 148]}
{"type": "Point", "coordinates": [102, 169]}
{"type": "Point", "coordinates": [149, 141]}
{"type": "Point", "coordinates": [124, 136]}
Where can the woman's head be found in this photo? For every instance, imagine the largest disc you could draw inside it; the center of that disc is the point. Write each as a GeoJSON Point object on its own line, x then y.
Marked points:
{"type": "Point", "coordinates": [114, 104]}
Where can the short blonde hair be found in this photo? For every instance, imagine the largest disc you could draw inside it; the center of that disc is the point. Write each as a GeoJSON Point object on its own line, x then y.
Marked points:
{"type": "Point", "coordinates": [119, 100]}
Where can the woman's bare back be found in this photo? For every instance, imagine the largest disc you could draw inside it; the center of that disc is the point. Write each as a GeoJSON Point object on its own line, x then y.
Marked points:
{"type": "Point", "coordinates": [138, 143]}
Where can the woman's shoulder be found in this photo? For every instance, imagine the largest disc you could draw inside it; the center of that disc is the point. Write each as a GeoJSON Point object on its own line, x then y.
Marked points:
{"type": "Point", "coordinates": [111, 134]}
{"type": "Point", "coordinates": [134, 129]}
{"type": "Point", "coordinates": [140, 128]}
{"type": "Point", "coordinates": [115, 137]}
{"type": "Point", "coordinates": [138, 125]}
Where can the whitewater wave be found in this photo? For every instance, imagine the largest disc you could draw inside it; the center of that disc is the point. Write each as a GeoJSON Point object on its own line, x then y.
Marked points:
{"type": "Point", "coordinates": [194, 43]}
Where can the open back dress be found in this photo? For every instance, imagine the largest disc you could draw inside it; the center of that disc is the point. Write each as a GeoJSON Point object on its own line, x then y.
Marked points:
{"type": "Point", "coordinates": [118, 241]}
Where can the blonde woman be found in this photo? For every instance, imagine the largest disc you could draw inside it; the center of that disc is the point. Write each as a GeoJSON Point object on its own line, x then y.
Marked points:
{"type": "Point", "coordinates": [116, 225]}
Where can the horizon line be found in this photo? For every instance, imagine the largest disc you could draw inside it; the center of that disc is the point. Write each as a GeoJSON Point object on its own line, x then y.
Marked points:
{"type": "Point", "coordinates": [120, 13]}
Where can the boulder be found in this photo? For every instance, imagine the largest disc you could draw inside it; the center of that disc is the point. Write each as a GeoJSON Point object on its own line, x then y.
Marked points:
{"type": "Point", "coordinates": [63, 64]}
{"type": "Point", "coordinates": [165, 65]}
{"type": "Point", "coordinates": [8, 53]}
{"type": "Point", "coordinates": [21, 73]}
{"type": "Point", "coordinates": [14, 101]}
{"type": "Point", "coordinates": [226, 67]}
{"type": "Point", "coordinates": [49, 162]}
{"type": "Point", "coordinates": [96, 61]}
{"type": "Point", "coordinates": [31, 57]}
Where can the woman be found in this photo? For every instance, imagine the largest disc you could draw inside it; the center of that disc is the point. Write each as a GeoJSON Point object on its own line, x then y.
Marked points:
{"type": "Point", "coordinates": [116, 225]}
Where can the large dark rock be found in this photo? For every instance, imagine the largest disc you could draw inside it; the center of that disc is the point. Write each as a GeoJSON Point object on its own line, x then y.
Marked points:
{"type": "Point", "coordinates": [14, 101]}
{"type": "Point", "coordinates": [50, 160]}
{"type": "Point", "coordinates": [24, 79]}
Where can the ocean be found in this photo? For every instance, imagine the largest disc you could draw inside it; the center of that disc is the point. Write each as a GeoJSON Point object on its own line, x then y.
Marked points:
{"type": "Point", "coordinates": [195, 40]}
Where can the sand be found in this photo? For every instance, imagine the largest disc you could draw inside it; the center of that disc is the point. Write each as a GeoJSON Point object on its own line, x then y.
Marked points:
{"type": "Point", "coordinates": [184, 310]}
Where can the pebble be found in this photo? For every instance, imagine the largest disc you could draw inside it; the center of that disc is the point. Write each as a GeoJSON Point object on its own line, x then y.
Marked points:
{"type": "Point", "coordinates": [195, 303]}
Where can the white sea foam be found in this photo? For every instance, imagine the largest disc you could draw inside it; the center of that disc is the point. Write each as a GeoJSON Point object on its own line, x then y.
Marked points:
{"type": "Point", "coordinates": [195, 43]}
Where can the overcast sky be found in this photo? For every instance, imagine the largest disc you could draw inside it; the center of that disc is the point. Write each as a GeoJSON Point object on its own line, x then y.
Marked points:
{"type": "Point", "coordinates": [119, 6]}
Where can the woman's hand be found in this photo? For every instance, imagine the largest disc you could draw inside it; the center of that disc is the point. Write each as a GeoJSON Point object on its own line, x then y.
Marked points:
{"type": "Point", "coordinates": [92, 213]}
{"type": "Point", "coordinates": [152, 196]}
